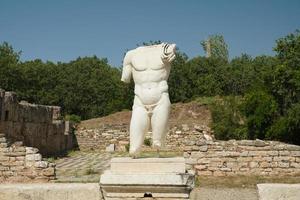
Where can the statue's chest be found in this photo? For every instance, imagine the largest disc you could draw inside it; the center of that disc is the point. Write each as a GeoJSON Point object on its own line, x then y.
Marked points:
{"type": "Point", "coordinates": [147, 60]}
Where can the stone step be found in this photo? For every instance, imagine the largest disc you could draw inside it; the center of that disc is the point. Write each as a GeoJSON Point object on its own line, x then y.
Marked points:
{"type": "Point", "coordinates": [2, 135]}
{"type": "Point", "coordinates": [126, 165]}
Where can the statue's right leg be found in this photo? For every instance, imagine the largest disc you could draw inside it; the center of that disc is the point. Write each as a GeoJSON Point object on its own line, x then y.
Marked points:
{"type": "Point", "coordinates": [139, 125]}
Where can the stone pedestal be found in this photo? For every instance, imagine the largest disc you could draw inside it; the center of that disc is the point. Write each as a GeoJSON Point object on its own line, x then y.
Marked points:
{"type": "Point", "coordinates": [159, 178]}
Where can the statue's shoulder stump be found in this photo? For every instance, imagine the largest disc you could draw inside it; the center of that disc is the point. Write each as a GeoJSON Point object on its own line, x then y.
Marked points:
{"type": "Point", "coordinates": [147, 177]}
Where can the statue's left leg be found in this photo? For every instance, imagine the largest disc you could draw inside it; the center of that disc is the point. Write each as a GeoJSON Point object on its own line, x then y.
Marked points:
{"type": "Point", "coordinates": [159, 121]}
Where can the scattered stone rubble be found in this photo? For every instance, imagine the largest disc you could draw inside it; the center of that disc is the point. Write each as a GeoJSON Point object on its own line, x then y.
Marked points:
{"type": "Point", "coordinates": [204, 155]}
{"type": "Point", "coordinates": [19, 163]}
{"type": "Point", "coordinates": [118, 135]}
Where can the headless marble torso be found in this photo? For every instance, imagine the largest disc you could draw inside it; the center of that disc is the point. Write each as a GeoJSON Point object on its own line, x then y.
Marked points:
{"type": "Point", "coordinates": [149, 75]}
{"type": "Point", "coordinates": [150, 68]}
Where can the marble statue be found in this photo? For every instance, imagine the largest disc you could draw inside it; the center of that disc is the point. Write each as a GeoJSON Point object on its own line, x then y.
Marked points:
{"type": "Point", "coordinates": [149, 66]}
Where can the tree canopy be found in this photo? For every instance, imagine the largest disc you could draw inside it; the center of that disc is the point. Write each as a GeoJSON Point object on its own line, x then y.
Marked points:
{"type": "Point", "coordinates": [260, 95]}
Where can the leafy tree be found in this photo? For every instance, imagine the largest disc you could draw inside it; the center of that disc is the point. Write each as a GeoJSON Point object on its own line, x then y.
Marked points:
{"type": "Point", "coordinates": [287, 127]}
{"type": "Point", "coordinates": [215, 46]}
{"type": "Point", "coordinates": [263, 92]}
{"type": "Point", "coordinates": [227, 120]}
{"type": "Point", "coordinates": [260, 108]}
{"type": "Point", "coordinates": [179, 79]}
{"type": "Point", "coordinates": [207, 76]}
{"type": "Point", "coordinates": [9, 71]}
{"type": "Point", "coordinates": [286, 83]}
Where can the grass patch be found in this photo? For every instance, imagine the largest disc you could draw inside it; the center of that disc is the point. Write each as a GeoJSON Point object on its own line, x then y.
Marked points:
{"type": "Point", "coordinates": [90, 171]}
{"type": "Point", "coordinates": [148, 142]}
{"type": "Point", "coordinates": [242, 181]}
{"type": "Point", "coordinates": [73, 153]}
{"type": "Point", "coordinates": [206, 100]}
{"type": "Point", "coordinates": [51, 159]}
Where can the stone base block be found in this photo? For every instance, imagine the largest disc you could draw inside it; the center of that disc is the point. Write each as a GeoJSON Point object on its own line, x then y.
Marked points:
{"type": "Point", "coordinates": [159, 178]}
{"type": "Point", "coordinates": [50, 191]}
{"type": "Point", "coordinates": [269, 191]}
{"type": "Point", "coordinates": [128, 165]}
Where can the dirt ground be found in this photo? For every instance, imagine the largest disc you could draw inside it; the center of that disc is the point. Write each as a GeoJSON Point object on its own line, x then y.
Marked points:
{"type": "Point", "coordinates": [223, 193]}
{"type": "Point", "coordinates": [234, 188]}
{"type": "Point", "coordinates": [181, 113]}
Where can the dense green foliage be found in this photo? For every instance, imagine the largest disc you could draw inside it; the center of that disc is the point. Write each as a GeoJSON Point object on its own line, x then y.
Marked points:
{"type": "Point", "coordinates": [257, 97]}
{"type": "Point", "coordinates": [229, 123]}
{"type": "Point", "coordinates": [270, 87]}
{"type": "Point", "coordinates": [215, 46]}
{"type": "Point", "coordinates": [87, 87]}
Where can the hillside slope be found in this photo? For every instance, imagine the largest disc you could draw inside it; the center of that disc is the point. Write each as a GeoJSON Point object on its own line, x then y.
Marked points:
{"type": "Point", "coordinates": [181, 113]}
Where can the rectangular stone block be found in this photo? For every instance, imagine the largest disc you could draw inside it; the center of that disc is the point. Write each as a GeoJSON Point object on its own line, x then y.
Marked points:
{"type": "Point", "coordinates": [19, 149]}
{"type": "Point", "coordinates": [109, 178]}
{"type": "Point", "coordinates": [295, 165]}
{"type": "Point", "coordinates": [17, 168]}
{"type": "Point", "coordinates": [244, 159]}
{"type": "Point", "coordinates": [158, 177]}
{"type": "Point", "coordinates": [295, 153]}
{"type": "Point", "coordinates": [3, 168]}
{"type": "Point", "coordinates": [257, 153]}
{"type": "Point", "coordinates": [50, 191]}
{"type": "Point", "coordinates": [148, 165]}
{"type": "Point", "coordinates": [283, 164]}
{"type": "Point", "coordinates": [272, 153]}
{"type": "Point", "coordinates": [33, 157]}
{"type": "Point", "coordinates": [15, 154]}
{"type": "Point", "coordinates": [265, 164]}
{"type": "Point", "coordinates": [283, 158]}
{"type": "Point", "coordinates": [4, 158]}
{"type": "Point", "coordinates": [279, 191]}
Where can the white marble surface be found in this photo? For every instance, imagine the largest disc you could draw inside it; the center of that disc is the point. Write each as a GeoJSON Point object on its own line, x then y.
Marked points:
{"type": "Point", "coordinates": [162, 177]}
{"type": "Point", "coordinates": [149, 67]}
{"type": "Point", "coordinates": [50, 191]}
{"type": "Point", "coordinates": [126, 165]}
{"type": "Point", "coordinates": [144, 179]}
{"type": "Point", "coordinates": [278, 191]}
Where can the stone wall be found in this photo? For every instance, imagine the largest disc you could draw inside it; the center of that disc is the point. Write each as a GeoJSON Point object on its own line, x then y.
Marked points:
{"type": "Point", "coordinates": [118, 134]}
{"type": "Point", "coordinates": [36, 125]}
{"type": "Point", "coordinates": [245, 157]}
{"type": "Point", "coordinates": [23, 164]}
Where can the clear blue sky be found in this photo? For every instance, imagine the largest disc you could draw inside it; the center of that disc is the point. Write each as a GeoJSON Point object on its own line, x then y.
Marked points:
{"type": "Point", "coordinates": [62, 30]}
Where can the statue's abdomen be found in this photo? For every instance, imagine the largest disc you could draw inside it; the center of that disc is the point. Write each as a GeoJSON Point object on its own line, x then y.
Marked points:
{"type": "Point", "coordinates": [150, 93]}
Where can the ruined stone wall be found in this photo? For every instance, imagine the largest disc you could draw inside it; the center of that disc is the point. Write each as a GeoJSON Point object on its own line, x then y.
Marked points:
{"type": "Point", "coordinates": [118, 135]}
{"type": "Point", "coordinates": [245, 157]}
{"type": "Point", "coordinates": [36, 125]}
{"type": "Point", "coordinates": [23, 164]}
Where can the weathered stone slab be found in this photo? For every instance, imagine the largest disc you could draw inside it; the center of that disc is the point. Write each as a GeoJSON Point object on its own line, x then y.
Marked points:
{"type": "Point", "coordinates": [278, 191]}
{"type": "Point", "coordinates": [149, 177]}
{"type": "Point", "coordinates": [50, 191]}
{"type": "Point", "coordinates": [126, 165]}
{"type": "Point", "coordinates": [145, 179]}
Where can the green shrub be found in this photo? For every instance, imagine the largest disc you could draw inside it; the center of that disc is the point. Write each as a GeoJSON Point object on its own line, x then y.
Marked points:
{"type": "Point", "coordinates": [73, 118]}
{"type": "Point", "coordinates": [90, 171]}
{"type": "Point", "coordinates": [127, 147]}
{"type": "Point", "coordinates": [148, 142]}
{"type": "Point", "coordinates": [260, 108]}
{"type": "Point", "coordinates": [287, 127]}
{"type": "Point", "coordinates": [227, 120]}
